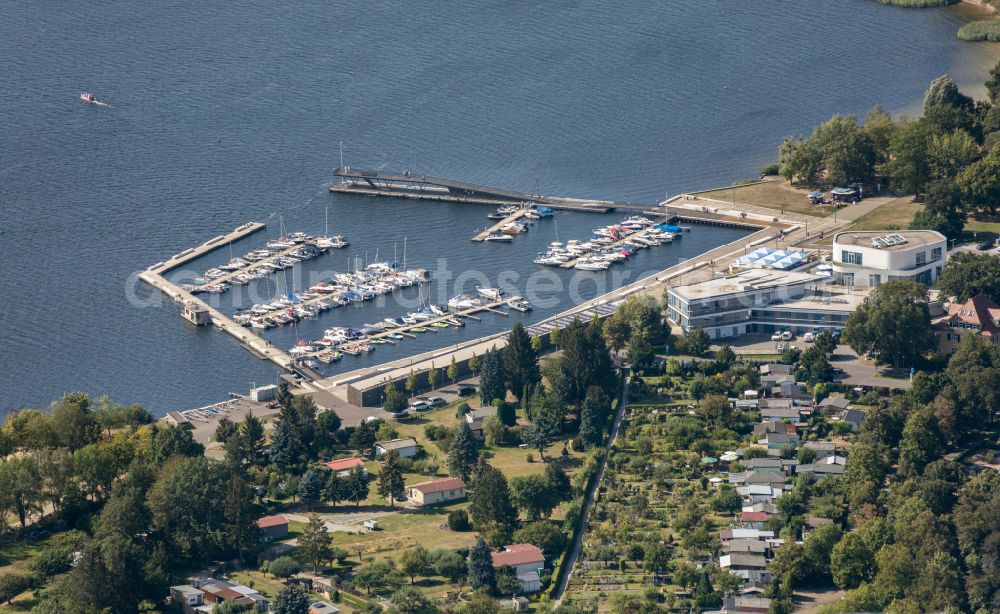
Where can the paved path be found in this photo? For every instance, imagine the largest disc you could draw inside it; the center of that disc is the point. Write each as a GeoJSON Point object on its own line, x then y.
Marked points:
{"type": "Point", "coordinates": [588, 501]}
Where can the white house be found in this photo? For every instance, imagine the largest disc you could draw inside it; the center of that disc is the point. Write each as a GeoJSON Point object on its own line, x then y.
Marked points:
{"type": "Point", "coordinates": [475, 417]}
{"type": "Point", "coordinates": [871, 258]}
{"type": "Point", "coordinates": [406, 447]}
{"type": "Point", "coordinates": [436, 491]}
{"type": "Point", "coordinates": [527, 561]}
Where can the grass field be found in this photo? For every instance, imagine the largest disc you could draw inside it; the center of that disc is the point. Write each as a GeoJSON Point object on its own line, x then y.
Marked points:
{"type": "Point", "coordinates": [981, 231]}
{"type": "Point", "coordinates": [895, 215]}
{"type": "Point", "coordinates": [771, 194]}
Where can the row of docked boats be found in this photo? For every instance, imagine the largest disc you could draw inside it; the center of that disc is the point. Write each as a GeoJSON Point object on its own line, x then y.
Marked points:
{"type": "Point", "coordinates": [508, 231]}
{"type": "Point", "coordinates": [608, 245]}
{"type": "Point", "coordinates": [340, 340]}
{"type": "Point", "coordinates": [276, 255]}
{"type": "Point", "coordinates": [342, 289]}
{"type": "Point", "coordinates": [530, 211]}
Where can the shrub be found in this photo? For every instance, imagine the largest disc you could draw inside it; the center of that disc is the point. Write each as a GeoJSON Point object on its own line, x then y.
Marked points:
{"type": "Point", "coordinates": [771, 169]}
{"type": "Point", "coordinates": [458, 520]}
{"type": "Point", "coordinates": [12, 585]}
{"type": "Point", "coordinates": [284, 567]}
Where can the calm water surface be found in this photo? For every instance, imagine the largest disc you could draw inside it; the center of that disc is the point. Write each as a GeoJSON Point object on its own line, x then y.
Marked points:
{"type": "Point", "coordinates": [222, 113]}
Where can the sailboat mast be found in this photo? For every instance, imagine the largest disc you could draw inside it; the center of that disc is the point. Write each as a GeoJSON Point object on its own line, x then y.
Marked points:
{"type": "Point", "coordinates": [341, 155]}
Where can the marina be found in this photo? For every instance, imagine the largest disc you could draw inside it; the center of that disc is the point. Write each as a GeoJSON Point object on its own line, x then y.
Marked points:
{"type": "Point", "coordinates": [312, 354]}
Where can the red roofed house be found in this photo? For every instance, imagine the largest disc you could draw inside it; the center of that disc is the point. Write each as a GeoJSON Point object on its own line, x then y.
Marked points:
{"type": "Point", "coordinates": [437, 491]}
{"type": "Point", "coordinates": [527, 561]}
{"type": "Point", "coordinates": [754, 520]}
{"type": "Point", "coordinates": [977, 316]}
{"type": "Point", "coordinates": [272, 527]}
{"type": "Point", "coordinates": [342, 466]}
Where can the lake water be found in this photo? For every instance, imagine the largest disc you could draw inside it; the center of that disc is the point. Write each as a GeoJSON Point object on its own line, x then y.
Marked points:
{"type": "Point", "coordinates": [223, 113]}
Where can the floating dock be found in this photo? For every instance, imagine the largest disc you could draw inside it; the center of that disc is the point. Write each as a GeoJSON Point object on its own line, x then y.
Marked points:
{"type": "Point", "coordinates": [513, 217]}
{"type": "Point", "coordinates": [409, 185]}
{"type": "Point", "coordinates": [428, 324]}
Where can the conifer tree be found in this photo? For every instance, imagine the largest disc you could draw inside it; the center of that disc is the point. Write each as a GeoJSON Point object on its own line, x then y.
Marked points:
{"type": "Point", "coordinates": [463, 453]}
{"type": "Point", "coordinates": [491, 510]}
{"type": "Point", "coordinates": [357, 485]}
{"type": "Point", "coordinates": [520, 361]}
{"type": "Point", "coordinates": [491, 378]}
{"type": "Point", "coordinates": [310, 488]}
{"type": "Point", "coordinates": [390, 480]}
{"type": "Point", "coordinates": [315, 542]}
{"type": "Point", "coordinates": [481, 573]}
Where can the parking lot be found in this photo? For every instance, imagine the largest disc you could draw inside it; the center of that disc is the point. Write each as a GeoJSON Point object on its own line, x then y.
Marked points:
{"type": "Point", "coordinates": [854, 370]}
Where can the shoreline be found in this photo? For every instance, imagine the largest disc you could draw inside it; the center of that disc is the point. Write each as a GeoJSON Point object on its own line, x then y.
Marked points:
{"type": "Point", "coordinates": [980, 6]}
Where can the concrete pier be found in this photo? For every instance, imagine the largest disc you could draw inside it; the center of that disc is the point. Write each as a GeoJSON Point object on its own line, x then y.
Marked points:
{"type": "Point", "coordinates": [424, 187]}
{"type": "Point", "coordinates": [154, 277]}
{"type": "Point", "coordinates": [208, 246]}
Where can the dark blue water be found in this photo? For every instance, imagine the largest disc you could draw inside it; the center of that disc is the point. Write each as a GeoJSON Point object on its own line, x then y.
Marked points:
{"type": "Point", "coordinates": [222, 113]}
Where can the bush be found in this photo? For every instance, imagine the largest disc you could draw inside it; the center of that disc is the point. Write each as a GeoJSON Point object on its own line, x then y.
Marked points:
{"type": "Point", "coordinates": [57, 556]}
{"type": "Point", "coordinates": [458, 520]}
{"type": "Point", "coordinates": [436, 432]}
{"type": "Point", "coordinates": [770, 170]}
{"type": "Point", "coordinates": [462, 409]}
{"type": "Point", "coordinates": [284, 567]}
{"type": "Point", "coordinates": [12, 585]}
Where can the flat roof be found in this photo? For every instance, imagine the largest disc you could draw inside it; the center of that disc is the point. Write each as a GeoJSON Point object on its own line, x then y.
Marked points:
{"type": "Point", "coordinates": [863, 238]}
{"type": "Point", "coordinates": [747, 281]}
{"type": "Point", "coordinates": [831, 298]}
{"type": "Point", "coordinates": [397, 444]}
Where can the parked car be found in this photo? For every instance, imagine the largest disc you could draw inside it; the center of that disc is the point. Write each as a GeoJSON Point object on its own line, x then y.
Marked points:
{"type": "Point", "coordinates": [985, 245]}
{"type": "Point", "coordinates": [808, 337]}
{"type": "Point", "coordinates": [465, 390]}
{"type": "Point", "coordinates": [434, 401]}
{"type": "Point", "coordinates": [776, 337]}
{"type": "Point", "coordinates": [787, 336]}
{"type": "Point", "coordinates": [419, 405]}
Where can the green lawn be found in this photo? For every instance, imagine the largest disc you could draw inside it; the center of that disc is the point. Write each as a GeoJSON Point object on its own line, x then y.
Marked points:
{"type": "Point", "coordinates": [895, 215]}
{"type": "Point", "coordinates": [778, 195]}
{"type": "Point", "coordinates": [981, 231]}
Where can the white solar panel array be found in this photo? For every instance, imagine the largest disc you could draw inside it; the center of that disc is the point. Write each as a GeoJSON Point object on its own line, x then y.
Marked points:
{"type": "Point", "coordinates": [887, 241]}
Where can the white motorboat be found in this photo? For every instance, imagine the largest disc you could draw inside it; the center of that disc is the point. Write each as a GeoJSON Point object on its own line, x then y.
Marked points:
{"type": "Point", "coordinates": [513, 228]}
{"type": "Point", "coordinates": [492, 294]}
{"type": "Point", "coordinates": [497, 236]}
{"type": "Point", "coordinates": [551, 259]}
{"type": "Point", "coordinates": [522, 306]}
{"type": "Point", "coordinates": [590, 264]}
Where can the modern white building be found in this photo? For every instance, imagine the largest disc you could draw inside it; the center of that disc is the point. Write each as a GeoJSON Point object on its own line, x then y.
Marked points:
{"type": "Point", "coordinates": [761, 301]}
{"type": "Point", "coordinates": [870, 258]}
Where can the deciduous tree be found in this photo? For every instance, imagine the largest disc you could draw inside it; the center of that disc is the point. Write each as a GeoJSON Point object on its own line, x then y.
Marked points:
{"type": "Point", "coordinates": [892, 324]}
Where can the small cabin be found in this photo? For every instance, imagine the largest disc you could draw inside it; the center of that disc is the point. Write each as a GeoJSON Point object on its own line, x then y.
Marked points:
{"type": "Point", "coordinates": [371, 524]}
{"type": "Point", "coordinates": [196, 314]}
